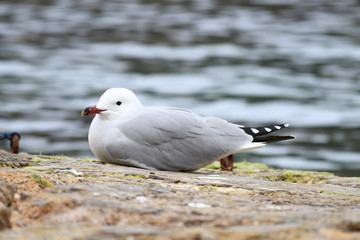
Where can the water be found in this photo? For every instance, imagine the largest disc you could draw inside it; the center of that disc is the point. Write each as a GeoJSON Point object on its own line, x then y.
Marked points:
{"type": "Point", "coordinates": [250, 62]}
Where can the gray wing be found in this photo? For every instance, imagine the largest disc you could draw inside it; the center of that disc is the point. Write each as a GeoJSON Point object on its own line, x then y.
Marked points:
{"type": "Point", "coordinates": [176, 139]}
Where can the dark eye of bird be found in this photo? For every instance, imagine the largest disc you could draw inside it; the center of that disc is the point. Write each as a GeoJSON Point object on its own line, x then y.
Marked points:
{"type": "Point", "coordinates": [118, 103]}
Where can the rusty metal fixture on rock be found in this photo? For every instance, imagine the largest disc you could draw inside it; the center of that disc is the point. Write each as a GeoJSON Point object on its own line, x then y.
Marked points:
{"type": "Point", "coordinates": [14, 138]}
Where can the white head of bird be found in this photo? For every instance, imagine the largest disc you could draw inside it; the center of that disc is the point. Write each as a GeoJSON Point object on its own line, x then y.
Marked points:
{"type": "Point", "coordinates": [115, 103]}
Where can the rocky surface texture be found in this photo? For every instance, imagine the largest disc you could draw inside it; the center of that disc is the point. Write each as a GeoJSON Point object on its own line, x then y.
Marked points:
{"type": "Point", "coordinates": [56, 197]}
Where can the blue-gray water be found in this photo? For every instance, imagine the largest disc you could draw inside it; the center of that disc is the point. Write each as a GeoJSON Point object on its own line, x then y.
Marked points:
{"type": "Point", "coordinates": [252, 62]}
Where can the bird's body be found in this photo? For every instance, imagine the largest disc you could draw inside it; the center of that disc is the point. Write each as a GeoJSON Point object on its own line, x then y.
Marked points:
{"type": "Point", "coordinates": [127, 133]}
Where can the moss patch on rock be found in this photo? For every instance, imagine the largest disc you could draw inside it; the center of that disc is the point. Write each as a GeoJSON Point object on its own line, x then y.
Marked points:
{"type": "Point", "coordinates": [38, 179]}
{"type": "Point", "coordinates": [295, 176]}
{"type": "Point", "coordinates": [243, 166]}
{"type": "Point", "coordinates": [283, 175]}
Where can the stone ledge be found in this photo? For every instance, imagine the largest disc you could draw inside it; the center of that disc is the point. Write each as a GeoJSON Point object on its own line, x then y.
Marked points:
{"type": "Point", "coordinates": [67, 198]}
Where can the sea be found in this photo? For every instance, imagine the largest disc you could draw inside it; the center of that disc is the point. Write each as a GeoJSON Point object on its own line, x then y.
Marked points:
{"type": "Point", "coordinates": [255, 63]}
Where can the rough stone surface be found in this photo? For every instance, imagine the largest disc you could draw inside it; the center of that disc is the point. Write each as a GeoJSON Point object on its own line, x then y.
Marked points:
{"type": "Point", "coordinates": [4, 217]}
{"type": "Point", "coordinates": [57, 197]}
{"type": "Point", "coordinates": [7, 192]}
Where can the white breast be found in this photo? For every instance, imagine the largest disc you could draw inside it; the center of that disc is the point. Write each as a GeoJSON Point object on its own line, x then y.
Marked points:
{"type": "Point", "coordinates": [97, 132]}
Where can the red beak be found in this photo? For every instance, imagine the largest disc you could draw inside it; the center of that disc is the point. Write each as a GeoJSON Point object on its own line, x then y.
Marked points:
{"type": "Point", "coordinates": [91, 110]}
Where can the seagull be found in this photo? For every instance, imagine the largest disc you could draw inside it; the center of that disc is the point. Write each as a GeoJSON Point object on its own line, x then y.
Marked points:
{"type": "Point", "coordinates": [126, 132]}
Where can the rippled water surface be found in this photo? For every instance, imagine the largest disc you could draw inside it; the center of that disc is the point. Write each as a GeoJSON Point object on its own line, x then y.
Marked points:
{"type": "Point", "coordinates": [250, 62]}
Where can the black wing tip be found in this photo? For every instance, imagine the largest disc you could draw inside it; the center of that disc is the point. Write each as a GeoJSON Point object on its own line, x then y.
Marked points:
{"type": "Point", "coordinates": [259, 131]}
{"type": "Point", "coordinates": [270, 139]}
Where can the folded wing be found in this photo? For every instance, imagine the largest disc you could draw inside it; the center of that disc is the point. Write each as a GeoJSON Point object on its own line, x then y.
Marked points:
{"type": "Point", "coordinates": [176, 139]}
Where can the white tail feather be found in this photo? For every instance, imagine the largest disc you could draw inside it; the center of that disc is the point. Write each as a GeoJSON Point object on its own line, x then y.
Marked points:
{"type": "Point", "coordinates": [250, 146]}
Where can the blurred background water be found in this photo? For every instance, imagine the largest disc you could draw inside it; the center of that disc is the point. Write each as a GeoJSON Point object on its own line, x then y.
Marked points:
{"type": "Point", "coordinates": [251, 62]}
